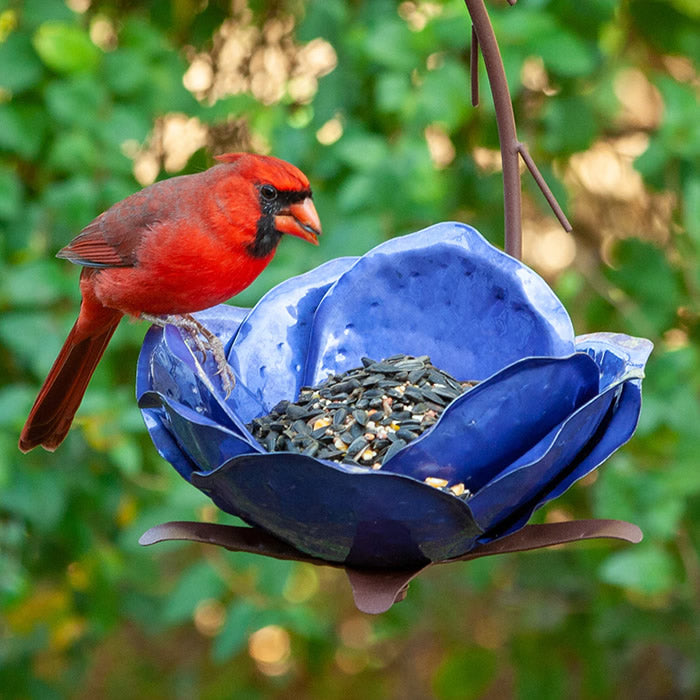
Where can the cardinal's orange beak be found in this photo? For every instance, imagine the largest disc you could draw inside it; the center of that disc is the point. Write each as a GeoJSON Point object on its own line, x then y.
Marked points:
{"type": "Point", "coordinates": [300, 219]}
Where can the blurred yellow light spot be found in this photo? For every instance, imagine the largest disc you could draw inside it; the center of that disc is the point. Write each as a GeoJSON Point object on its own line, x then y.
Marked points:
{"type": "Point", "coordinates": [318, 57]}
{"type": "Point", "coordinates": [209, 617]}
{"type": "Point", "coordinates": [631, 145]}
{"type": "Point", "coordinates": [79, 5]}
{"type": "Point", "coordinates": [302, 88]}
{"type": "Point", "coordinates": [418, 13]}
{"type": "Point", "coordinates": [67, 633]}
{"type": "Point", "coordinates": [42, 607]}
{"type": "Point", "coordinates": [550, 250]}
{"type": "Point", "coordinates": [589, 479]}
{"type": "Point", "coordinates": [442, 150]}
{"type": "Point", "coordinates": [330, 132]}
{"type": "Point", "coordinates": [146, 169]}
{"type": "Point", "coordinates": [558, 515]}
{"type": "Point", "coordinates": [356, 632]}
{"type": "Point", "coordinates": [490, 630]}
{"type": "Point", "coordinates": [641, 101]}
{"type": "Point", "coordinates": [8, 23]}
{"type": "Point", "coordinates": [681, 68]}
{"type": "Point", "coordinates": [208, 513]}
{"type": "Point", "coordinates": [199, 76]}
{"type": "Point", "coordinates": [77, 575]}
{"type": "Point", "coordinates": [181, 137]}
{"type": "Point", "coordinates": [435, 60]}
{"type": "Point", "coordinates": [533, 74]}
{"type": "Point", "coordinates": [302, 584]}
{"type": "Point", "coordinates": [270, 648]}
{"type": "Point", "coordinates": [127, 511]}
{"type": "Point", "coordinates": [675, 339]}
{"type": "Point", "coordinates": [604, 171]}
{"type": "Point", "coordinates": [103, 33]}
{"type": "Point", "coordinates": [130, 148]}
{"type": "Point", "coordinates": [487, 160]}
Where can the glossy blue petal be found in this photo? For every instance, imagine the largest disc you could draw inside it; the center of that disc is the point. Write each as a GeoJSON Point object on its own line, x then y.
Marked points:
{"type": "Point", "coordinates": [269, 350]}
{"type": "Point", "coordinates": [618, 428]}
{"type": "Point", "coordinates": [165, 442]}
{"type": "Point", "coordinates": [171, 369]}
{"type": "Point", "coordinates": [579, 445]}
{"type": "Point", "coordinates": [618, 356]}
{"type": "Point", "coordinates": [222, 320]}
{"type": "Point", "coordinates": [445, 292]}
{"type": "Point", "coordinates": [513, 495]}
{"type": "Point", "coordinates": [342, 514]}
{"type": "Point", "coordinates": [161, 369]}
{"type": "Point", "coordinates": [484, 430]}
{"type": "Point", "coordinates": [203, 441]}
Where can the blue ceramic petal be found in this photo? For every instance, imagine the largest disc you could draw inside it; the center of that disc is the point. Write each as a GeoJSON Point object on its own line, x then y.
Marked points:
{"type": "Point", "coordinates": [269, 349]}
{"type": "Point", "coordinates": [166, 365]}
{"type": "Point", "coordinates": [484, 430]}
{"type": "Point", "coordinates": [617, 430]}
{"type": "Point", "coordinates": [203, 441]}
{"type": "Point", "coordinates": [510, 498]}
{"type": "Point", "coordinates": [342, 514]}
{"type": "Point", "coordinates": [175, 372]}
{"type": "Point", "coordinates": [154, 364]}
{"type": "Point", "coordinates": [165, 443]}
{"type": "Point", "coordinates": [445, 292]}
{"type": "Point", "coordinates": [617, 355]}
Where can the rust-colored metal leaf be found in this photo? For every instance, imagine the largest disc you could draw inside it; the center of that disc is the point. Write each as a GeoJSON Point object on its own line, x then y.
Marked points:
{"type": "Point", "coordinates": [376, 590]}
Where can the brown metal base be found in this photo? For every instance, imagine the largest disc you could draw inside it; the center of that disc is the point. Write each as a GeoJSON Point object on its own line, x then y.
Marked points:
{"type": "Point", "coordinates": [376, 590]}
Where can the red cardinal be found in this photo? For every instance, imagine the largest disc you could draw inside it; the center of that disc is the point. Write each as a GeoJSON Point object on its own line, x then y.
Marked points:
{"type": "Point", "coordinates": [178, 246]}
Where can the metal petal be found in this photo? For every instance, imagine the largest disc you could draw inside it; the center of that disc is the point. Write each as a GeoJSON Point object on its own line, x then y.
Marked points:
{"type": "Point", "coordinates": [507, 502]}
{"type": "Point", "coordinates": [269, 350]}
{"type": "Point", "coordinates": [445, 292]}
{"type": "Point", "coordinates": [619, 356]}
{"type": "Point", "coordinates": [169, 368]}
{"type": "Point", "coordinates": [164, 441]}
{"type": "Point", "coordinates": [361, 518]}
{"type": "Point", "coordinates": [493, 424]}
{"type": "Point", "coordinates": [619, 428]}
{"type": "Point", "coordinates": [200, 440]}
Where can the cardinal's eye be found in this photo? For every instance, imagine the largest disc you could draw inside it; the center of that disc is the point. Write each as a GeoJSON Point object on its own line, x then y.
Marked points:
{"type": "Point", "coordinates": [268, 192]}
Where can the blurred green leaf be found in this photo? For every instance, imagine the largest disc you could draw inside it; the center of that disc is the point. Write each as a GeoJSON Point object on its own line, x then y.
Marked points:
{"type": "Point", "coordinates": [11, 192]}
{"type": "Point", "coordinates": [657, 291]}
{"type": "Point", "coordinates": [240, 620]}
{"type": "Point", "coordinates": [565, 54]}
{"type": "Point", "coordinates": [646, 569]}
{"type": "Point", "coordinates": [200, 582]}
{"type": "Point", "coordinates": [465, 673]}
{"type": "Point", "coordinates": [570, 125]}
{"type": "Point", "coordinates": [21, 68]}
{"type": "Point", "coordinates": [65, 47]}
{"type": "Point", "coordinates": [21, 129]}
{"type": "Point", "coordinates": [126, 71]}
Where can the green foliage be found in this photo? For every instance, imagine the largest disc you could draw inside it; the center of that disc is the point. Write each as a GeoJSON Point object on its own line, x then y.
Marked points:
{"type": "Point", "coordinates": [86, 610]}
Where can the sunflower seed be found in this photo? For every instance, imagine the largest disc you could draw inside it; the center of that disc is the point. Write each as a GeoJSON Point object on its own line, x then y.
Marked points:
{"type": "Point", "coordinates": [363, 416]}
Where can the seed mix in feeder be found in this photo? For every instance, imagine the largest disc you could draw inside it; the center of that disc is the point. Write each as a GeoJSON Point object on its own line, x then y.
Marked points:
{"type": "Point", "coordinates": [364, 416]}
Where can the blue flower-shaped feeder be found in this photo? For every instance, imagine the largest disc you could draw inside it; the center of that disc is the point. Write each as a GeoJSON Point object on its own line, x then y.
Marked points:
{"type": "Point", "coordinates": [548, 409]}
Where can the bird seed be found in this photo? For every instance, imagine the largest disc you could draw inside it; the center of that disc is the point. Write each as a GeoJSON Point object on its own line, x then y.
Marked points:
{"type": "Point", "coordinates": [364, 416]}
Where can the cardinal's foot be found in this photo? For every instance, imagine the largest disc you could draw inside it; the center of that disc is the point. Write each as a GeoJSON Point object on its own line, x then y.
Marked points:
{"type": "Point", "coordinates": [203, 341]}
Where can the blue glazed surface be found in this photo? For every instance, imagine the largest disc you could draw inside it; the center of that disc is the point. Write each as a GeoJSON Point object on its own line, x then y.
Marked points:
{"type": "Point", "coordinates": [549, 407]}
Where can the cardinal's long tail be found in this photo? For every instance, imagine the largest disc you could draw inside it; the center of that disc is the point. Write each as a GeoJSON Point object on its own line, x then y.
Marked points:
{"type": "Point", "coordinates": [59, 397]}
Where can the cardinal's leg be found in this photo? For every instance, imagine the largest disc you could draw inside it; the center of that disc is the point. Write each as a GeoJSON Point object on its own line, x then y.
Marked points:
{"type": "Point", "coordinates": [203, 341]}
